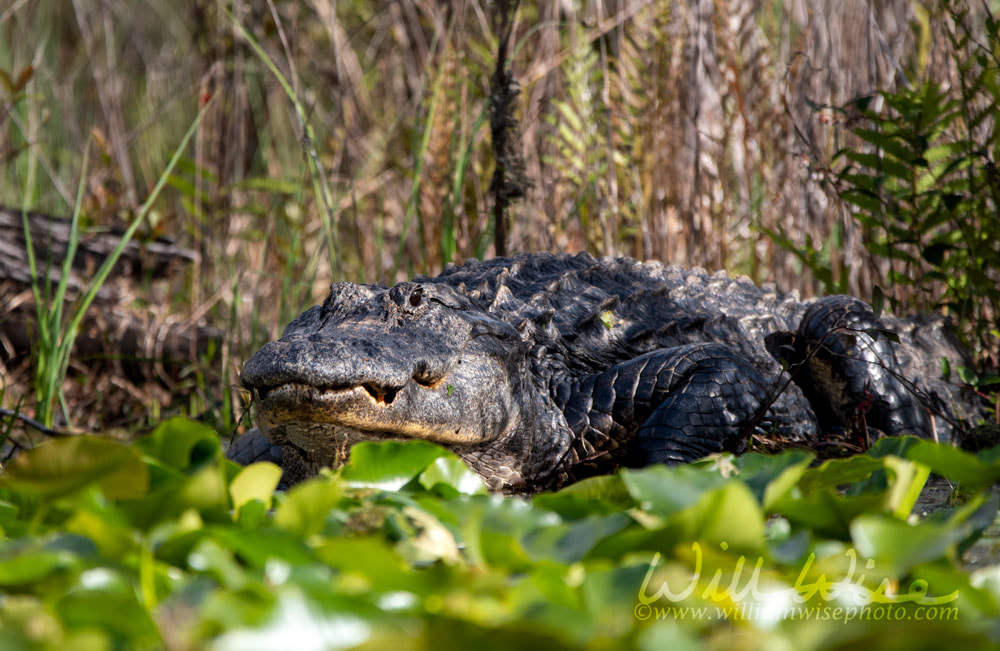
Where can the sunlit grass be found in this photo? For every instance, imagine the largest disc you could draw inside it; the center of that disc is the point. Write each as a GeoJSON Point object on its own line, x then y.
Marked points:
{"type": "Point", "coordinates": [345, 140]}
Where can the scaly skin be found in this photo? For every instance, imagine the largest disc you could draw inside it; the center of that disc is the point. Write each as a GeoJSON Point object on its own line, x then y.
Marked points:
{"type": "Point", "coordinates": [540, 369]}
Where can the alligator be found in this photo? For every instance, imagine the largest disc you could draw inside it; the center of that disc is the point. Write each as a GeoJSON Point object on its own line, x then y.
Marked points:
{"type": "Point", "coordinates": [540, 369]}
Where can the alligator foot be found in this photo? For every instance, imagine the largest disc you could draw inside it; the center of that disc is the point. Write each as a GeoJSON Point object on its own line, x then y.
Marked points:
{"type": "Point", "coordinates": [849, 375]}
{"type": "Point", "coordinates": [253, 447]}
{"type": "Point", "coordinates": [669, 405]}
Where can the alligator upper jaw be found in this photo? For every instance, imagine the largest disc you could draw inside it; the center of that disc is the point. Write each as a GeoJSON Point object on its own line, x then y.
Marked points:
{"type": "Point", "coordinates": [306, 412]}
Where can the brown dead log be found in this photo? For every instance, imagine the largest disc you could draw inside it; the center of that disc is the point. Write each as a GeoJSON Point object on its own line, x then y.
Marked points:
{"type": "Point", "coordinates": [50, 237]}
{"type": "Point", "coordinates": [145, 344]}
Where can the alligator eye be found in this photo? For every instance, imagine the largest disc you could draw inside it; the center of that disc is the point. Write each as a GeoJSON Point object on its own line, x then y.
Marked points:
{"type": "Point", "coordinates": [416, 295]}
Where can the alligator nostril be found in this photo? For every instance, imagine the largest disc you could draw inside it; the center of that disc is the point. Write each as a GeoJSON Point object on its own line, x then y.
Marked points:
{"type": "Point", "coordinates": [380, 394]}
{"type": "Point", "coordinates": [416, 295]}
{"type": "Point", "coordinates": [423, 376]}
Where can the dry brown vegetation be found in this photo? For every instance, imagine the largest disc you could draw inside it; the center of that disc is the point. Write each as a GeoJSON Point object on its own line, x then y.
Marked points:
{"type": "Point", "coordinates": [660, 130]}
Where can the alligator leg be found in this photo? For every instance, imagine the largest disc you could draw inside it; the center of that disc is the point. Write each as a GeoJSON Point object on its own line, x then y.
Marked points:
{"type": "Point", "coordinates": [851, 373]}
{"type": "Point", "coordinates": [669, 405]}
{"type": "Point", "coordinates": [253, 447]}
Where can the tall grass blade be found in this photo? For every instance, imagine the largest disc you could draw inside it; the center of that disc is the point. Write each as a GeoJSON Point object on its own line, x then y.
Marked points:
{"type": "Point", "coordinates": [60, 339]}
{"type": "Point", "coordinates": [321, 188]}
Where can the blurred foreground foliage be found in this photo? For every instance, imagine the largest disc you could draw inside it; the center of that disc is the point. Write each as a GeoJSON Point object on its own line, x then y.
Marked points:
{"type": "Point", "coordinates": [164, 544]}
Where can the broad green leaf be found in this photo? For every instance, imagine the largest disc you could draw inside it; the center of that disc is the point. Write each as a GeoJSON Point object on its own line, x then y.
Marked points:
{"type": "Point", "coordinates": [728, 515]}
{"type": "Point", "coordinates": [262, 545]}
{"type": "Point", "coordinates": [21, 569]}
{"type": "Point", "coordinates": [377, 562]}
{"type": "Point", "coordinates": [547, 600]}
{"type": "Point", "coordinates": [665, 490]}
{"type": "Point", "coordinates": [606, 488]}
{"type": "Point", "coordinates": [864, 482]}
{"type": "Point", "coordinates": [451, 471]}
{"type": "Point", "coordinates": [573, 506]}
{"type": "Point", "coordinates": [203, 491]}
{"type": "Point", "coordinates": [389, 465]}
{"type": "Point", "coordinates": [974, 593]}
{"type": "Point", "coordinates": [955, 464]}
{"type": "Point", "coordinates": [305, 509]}
{"type": "Point", "coordinates": [827, 513]}
{"type": "Point", "coordinates": [214, 558]}
{"type": "Point", "coordinates": [771, 477]}
{"type": "Point", "coordinates": [64, 466]}
{"type": "Point", "coordinates": [105, 600]}
{"type": "Point", "coordinates": [898, 546]}
{"type": "Point", "coordinates": [256, 481]}
{"type": "Point", "coordinates": [110, 532]}
{"type": "Point", "coordinates": [492, 528]}
{"type": "Point", "coordinates": [570, 542]}
{"type": "Point", "coordinates": [836, 472]}
{"type": "Point", "coordinates": [606, 590]}
{"type": "Point", "coordinates": [908, 481]}
{"type": "Point", "coordinates": [182, 443]}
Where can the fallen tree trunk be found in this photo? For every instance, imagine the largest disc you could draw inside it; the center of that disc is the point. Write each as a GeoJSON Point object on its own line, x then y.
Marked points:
{"type": "Point", "coordinates": [146, 343]}
{"type": "Point", "coordinates": [50, 237]}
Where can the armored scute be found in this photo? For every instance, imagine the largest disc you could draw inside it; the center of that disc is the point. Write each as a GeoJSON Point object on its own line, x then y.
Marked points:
{"type": "Point", "coordinates": [541, 369]}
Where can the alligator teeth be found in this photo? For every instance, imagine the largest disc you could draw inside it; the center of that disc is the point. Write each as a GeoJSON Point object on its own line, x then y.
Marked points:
{"type": "Point", "coordinates": [380, 394]}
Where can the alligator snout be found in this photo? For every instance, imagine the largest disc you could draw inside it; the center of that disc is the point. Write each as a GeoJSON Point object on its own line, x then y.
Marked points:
{"type": "Point", "coordinates": [406, 362]}
{"type": "Point", "coordinates": [381, 370]}
{"type": "Point", "coordinates": [425, 373]}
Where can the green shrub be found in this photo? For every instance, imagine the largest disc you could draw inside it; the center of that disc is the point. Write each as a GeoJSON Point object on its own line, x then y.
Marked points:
{"type": "Point", "coordinates": [165, 544]}
{"type": "Point", "coordinates": [923, 184]}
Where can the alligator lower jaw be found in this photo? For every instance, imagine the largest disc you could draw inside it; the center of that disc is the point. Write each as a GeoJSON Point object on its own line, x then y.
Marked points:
{"type": "Point", "coordinates": [323, 424]}
{"type": "Point", "coordinates": [312, 417]}
{"type": "Point", "coordinates": [321, 444]}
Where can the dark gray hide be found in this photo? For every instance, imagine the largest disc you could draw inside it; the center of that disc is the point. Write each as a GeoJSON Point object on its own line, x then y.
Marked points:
{"type": "Point", "coordinates": [540, 369]}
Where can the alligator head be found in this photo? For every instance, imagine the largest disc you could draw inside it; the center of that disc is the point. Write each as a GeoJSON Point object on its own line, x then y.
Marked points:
{"type": "Point", "coordinates": [417, 361]}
